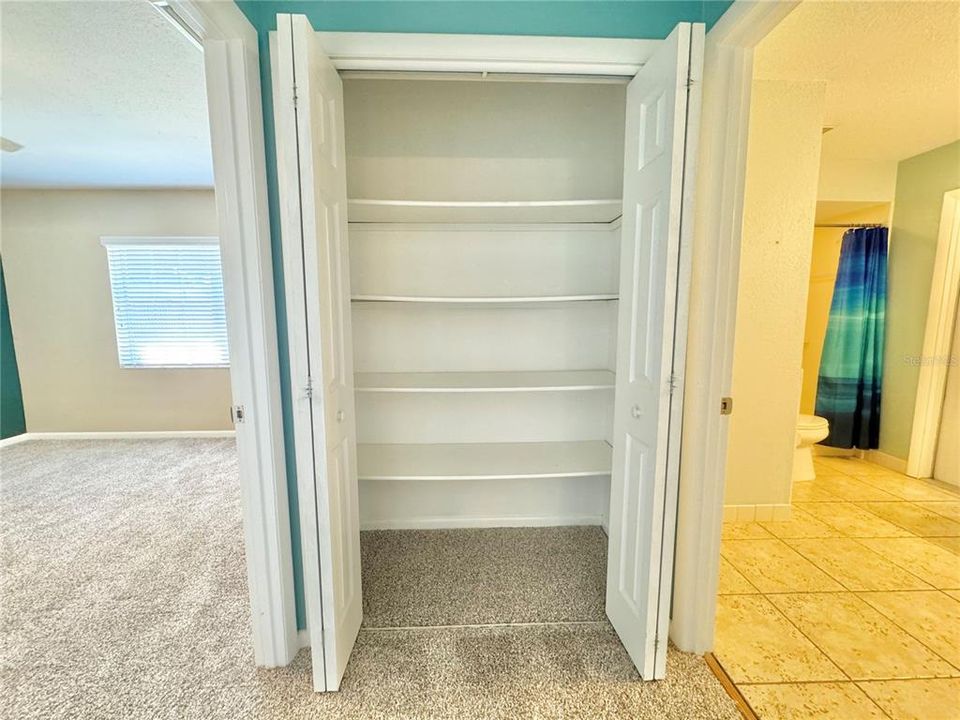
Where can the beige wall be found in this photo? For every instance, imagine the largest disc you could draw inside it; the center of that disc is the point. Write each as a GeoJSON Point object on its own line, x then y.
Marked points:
{"type": "Point", "coordinates": [849, 180]}
{"type": "Point", "coordinates": [779, 210]}
{"type": "Point", "coordinates": [823, 276]}
{"type": "Point", "coordinates": [61, 310]}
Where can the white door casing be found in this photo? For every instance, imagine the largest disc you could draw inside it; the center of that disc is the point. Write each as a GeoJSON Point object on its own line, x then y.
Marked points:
{"type": "Point", "coordinates": [654, 282]}
{"type": "Point", "coordinates": [311, 167]}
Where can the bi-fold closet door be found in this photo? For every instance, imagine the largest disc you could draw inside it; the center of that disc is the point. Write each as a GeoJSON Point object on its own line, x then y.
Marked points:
{"type": "Point", "coordinates": [661, 118]}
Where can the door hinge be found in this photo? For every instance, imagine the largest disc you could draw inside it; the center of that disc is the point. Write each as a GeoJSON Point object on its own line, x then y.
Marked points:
{"type": "Point", "coordinates": [726, 405]}
{"type": "Point", "coordinates": [294, 95]}
{"type": "Point", "coordinates": [690, 81]}
{"type": "Point", "coordinates": [237, 414]}
{"type": "Point", "coordinates": [674, 382]}
{"type": "Point", "coordinates": [308, 388]}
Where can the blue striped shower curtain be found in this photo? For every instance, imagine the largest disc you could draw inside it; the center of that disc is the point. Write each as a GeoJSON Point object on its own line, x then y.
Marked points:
{"type": "Point", "coordinates": [851, 367]}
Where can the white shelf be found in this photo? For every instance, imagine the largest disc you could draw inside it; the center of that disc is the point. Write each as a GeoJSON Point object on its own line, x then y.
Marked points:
{"type": "Point", "coordinates": [483, 461]}
{"type": "Point", "coordinates": [477, 382]}
{"type": "Point", "coordinates": [497, 300]}
{"type": "Point", "coordinates": [362, 210]}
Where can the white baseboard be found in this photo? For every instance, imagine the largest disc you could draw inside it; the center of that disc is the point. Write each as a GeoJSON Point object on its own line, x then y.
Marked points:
{"type": "Point", "coordinates": [303, 638]}
{"type": "Point", "coordinates": [827, 451]}
{"type": "Point", "coordinates": [749, 513]}
{"type": "Point", "coordinates": [111, 435]}
{"type": "Point", "coordinates": [884, 460]}
{"type": "Point", "coordinates": [443, 523]}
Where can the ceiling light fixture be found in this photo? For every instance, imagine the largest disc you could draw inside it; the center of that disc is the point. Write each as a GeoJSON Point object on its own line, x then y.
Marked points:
{"type": "Point", "coordinates": [174, 18]}
{"type": "Point", "coordinates": [9, 145]}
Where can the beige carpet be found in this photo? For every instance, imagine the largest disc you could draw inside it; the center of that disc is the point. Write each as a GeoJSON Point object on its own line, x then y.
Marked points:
{"type": "Point", "coordinates": [123, 595]}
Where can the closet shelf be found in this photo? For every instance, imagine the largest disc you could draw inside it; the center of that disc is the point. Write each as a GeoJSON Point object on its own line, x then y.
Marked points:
{"type": "Point", "coordinates": [482, 382]}
{"type": "Point", "coordinates": [363, 210]}
{"type": "Point", "coordinates": [496, 300]}
{"type": "Point", "coordinates": [483, 461]}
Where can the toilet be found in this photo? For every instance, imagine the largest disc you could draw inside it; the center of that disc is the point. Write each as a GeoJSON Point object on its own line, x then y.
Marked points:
{"type": "Point", "coordinates": [811, 429]}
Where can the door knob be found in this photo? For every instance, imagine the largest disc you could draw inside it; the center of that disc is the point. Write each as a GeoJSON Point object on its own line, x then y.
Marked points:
{"type": "Point", "coordinates": [636, 411]}
{"type": "Point", "coordinates": [340, 415]}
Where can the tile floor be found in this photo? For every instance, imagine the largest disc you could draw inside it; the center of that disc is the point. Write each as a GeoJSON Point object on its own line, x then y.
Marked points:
{"type": "Point", "coordinates": [850, 609]}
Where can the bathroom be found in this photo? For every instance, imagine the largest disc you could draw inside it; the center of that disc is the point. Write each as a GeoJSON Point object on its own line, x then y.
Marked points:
{"type": "Point", "coordinates": [839, 585]}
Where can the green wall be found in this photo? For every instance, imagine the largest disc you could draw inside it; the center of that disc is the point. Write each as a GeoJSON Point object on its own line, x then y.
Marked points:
{"type": "Point", "coordinates": [598, 18]}
{"type": "Point", "coordinates": [921, 182]}
{"type": "Point", "coordinates": [11, 399]}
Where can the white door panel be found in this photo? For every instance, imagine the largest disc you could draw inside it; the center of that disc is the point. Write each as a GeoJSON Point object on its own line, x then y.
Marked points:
{"type": "Point", "coordinates": [310, 148]}
{"type": "Point", "coordinates": [651, 332]}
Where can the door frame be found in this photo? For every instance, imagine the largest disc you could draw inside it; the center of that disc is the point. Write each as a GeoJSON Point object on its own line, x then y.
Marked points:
{"type": "Point", "coordinates": [941, 318]}
{"type": "Point", "coordinates": [718, 215]}
{"type": "Point", "coordinates": [232, 72]}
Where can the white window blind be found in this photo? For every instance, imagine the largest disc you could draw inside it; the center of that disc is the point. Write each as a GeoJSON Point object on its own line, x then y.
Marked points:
{"type": "Point", "coordinates": [168, 301]}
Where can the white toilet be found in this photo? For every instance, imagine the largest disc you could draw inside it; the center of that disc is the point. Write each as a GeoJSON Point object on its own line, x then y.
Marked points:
{"type": "Point", "coordinates": [811, 429]}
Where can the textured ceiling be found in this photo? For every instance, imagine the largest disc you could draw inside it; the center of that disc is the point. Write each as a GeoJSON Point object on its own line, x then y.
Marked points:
{"type": "Point", "coordinates": [892, 72]}
{"type": "Point", "coordinates": [101, 94]}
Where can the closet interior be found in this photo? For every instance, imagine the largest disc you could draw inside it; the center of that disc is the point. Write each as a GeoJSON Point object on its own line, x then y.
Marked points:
{"type": "Point", "coordinates": [484, 248]}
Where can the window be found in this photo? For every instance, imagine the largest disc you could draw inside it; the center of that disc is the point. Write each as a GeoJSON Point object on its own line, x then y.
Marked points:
{"type": "Point", "coordinates": [168, 302]}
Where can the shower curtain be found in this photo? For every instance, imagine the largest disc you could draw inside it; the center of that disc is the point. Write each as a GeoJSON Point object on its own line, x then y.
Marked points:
{"type": "Point", "coordinates": [851, 367]}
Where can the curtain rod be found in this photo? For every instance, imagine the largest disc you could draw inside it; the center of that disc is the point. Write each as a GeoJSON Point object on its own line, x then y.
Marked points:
{"type": "Point", "coordinates": [849, 225]}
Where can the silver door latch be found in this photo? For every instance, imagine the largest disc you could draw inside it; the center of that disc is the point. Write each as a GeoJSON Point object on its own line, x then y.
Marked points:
{"type": "Point", "coordinates": [726, 405]}
{"type": "Point", "coordinates": [236, 414]}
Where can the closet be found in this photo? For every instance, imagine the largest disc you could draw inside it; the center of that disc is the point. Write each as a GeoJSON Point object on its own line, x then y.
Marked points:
{"type": "Point", "coordinates": [485, 287]}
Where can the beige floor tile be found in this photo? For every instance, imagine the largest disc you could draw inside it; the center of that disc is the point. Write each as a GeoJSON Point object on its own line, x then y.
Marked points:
{"type": "Point", "coordinates": [800, 525]}
{"type": "Point", "coordinates": [812, 492]}
{"type": "Point", "coordinates": [947, 509]}
{"type": "Point", "coordinates": [914, 518]}
{"type": "Point", "coordinates": [932, 617]}
{"type": "Point", "coordinates": [841, 464]}
{"type": "Point", "coordinates": [952, 593]}
{"type": "Point", "coordinates": [865, 644]}
{"type": "Point", "coordinates": [851, 520]}
{"type": "Point", "coordinates": [732, 582]}
{"type": "Point", "coordinates": [811, 701]}
{"type": "Point", "coordinates": [754, 642]}
{"type": "Point", "coordinates": [916, 699]}
{"type": "Point", "coordinates": [936, 565]}
{"type": "Point", "coordinates": [908, 488]}
{"type": "Point", "coordinates": [743, 531]}
{"type": "Point", "coordinates": [853, 490]}
{"type": "Point", "coordinates": [773, 566]}
{"type": "Point", "coordinates": [856, 567]}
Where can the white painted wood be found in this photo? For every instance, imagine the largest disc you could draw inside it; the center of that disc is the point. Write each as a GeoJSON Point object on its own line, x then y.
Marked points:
{"type": "Point", "coordinates": [415, 337]}
{"type": "Point", "coordinates": [232, 70]}
{"type": "Point", "coordinates": [107, 435]}
{"type": "Point", "coordinates": [937, 340]}
{"type": "Point", "coordinates": [485, 382]}
{"type": "Point", "coordinates": [484, 417]}
{"type": "Point", "coordinates": [421, 52]}
{"type": "Point", "coordinates": [646, 418]}
{"type": "Point", "coordinates": [311, 156]}
{"type": "Point", "coordinates": [713, 294]}
{"type": "Point", "coordinates": [489, 211]}
{"type": "Point", "coordinates": [511, 502]}
{"type": "Point", "coordinates": [498, 300]}
{"type": "Point", "coordinates": [513, 260]}
{"type": "Point", "coordinates": [483, 461]}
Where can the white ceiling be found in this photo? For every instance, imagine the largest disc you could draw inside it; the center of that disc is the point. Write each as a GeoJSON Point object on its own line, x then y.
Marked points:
{"type": "Point", "coordinates": [101, 94]}
{"type": "Point", "coordinates": [892, 72]}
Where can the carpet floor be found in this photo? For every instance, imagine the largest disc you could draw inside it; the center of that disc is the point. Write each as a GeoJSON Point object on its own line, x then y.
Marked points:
{"type": "Point", "coordinates": [123, 595]}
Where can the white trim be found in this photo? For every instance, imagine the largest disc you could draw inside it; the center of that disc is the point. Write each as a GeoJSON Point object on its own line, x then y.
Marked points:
{"type": "Point", "coordinates": [171, 240]}
{"type": "Point", "coordinates": [421, 52]}
{"type": "Point", "coordinates": [728, 71]}
{"type": "Point", "coordinates": [303, 638]}
{"type": "Point", "coordinates": [118, 435]}
{"type": "Point", "coordinates": [232, 69]}
{"type": "Point", "coordinates": [884, 460]}
{"type": "Point", "coordinates": [459, 521]}
{"type": "Point", "coordinates": [757, 513]}
{"type": "Point", "coordinates": [937, 341]}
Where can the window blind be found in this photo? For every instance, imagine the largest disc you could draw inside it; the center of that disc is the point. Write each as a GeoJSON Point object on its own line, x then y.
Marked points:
{"type": "Point", "coordinates": [168, 302]}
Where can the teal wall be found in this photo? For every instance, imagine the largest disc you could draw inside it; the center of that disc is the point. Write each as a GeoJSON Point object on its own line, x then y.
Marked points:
{"type": "Point", "coordinates": [11, 399]}
{"type": "Point", "coordinates": [598, 18]}
{"type": "Point", "coordinates": [921, 182]}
